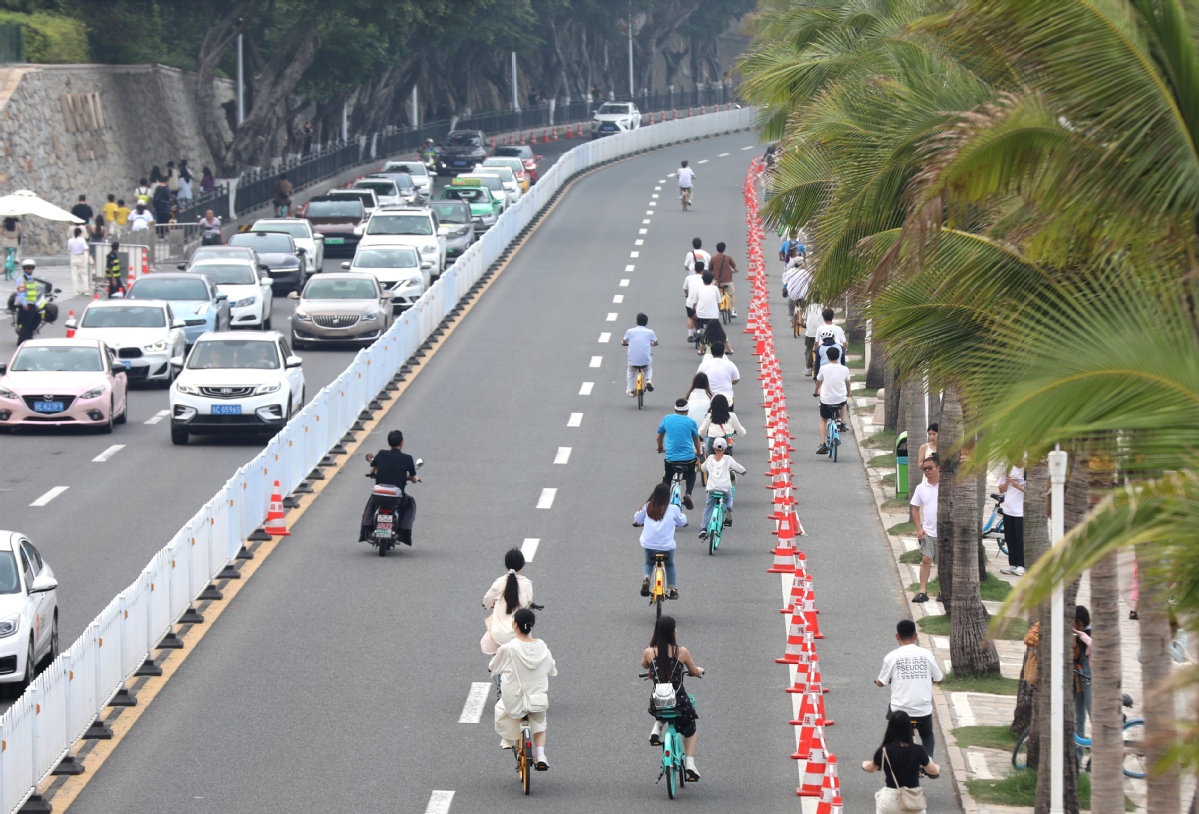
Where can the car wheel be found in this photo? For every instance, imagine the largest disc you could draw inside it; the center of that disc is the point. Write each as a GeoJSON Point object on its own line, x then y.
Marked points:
{"type": "Point", "coordinates": [107, 427]}
{"type": "Point", "coordinates": [178, 437]}
{"type": "Point", "coordinates": [266, 323]}
{"type": "Point", "coordinates": [124, 416]}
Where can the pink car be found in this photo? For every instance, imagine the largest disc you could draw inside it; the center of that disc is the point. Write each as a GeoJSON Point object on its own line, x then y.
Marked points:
{"type": "Point", "coordinates": [63, 382]}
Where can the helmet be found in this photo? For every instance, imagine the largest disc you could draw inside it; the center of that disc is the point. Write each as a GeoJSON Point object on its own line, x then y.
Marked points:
{"type": "Point", "coordinates": [429, 141]}
{"type": "Point", "coordinates": [28, 263]}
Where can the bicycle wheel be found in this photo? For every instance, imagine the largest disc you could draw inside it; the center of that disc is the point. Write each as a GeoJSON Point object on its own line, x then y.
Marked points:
{"type": "Point", "coordinates": [724, 315]}
{"type": "Point", "coordinates": [795, 327]}
{"type": "Point", "coordinates": [1134, 748]}
{"type": "Point", "coordinates": [658, 606]}
{"type": "Point", "coordinates": [715, 528]}
{"type": "Point", "coordinates": [668, 769]}
{"type": "Point", "coordinates": [526, 760]}
{"type": "Point", "coordinates": [1020, 753]}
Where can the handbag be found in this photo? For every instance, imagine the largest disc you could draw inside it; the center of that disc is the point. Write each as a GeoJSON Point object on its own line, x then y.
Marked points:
{"type": "Point", "coordinates": [665, 696]}
{"type": "Point", "coordinates": [909, 799]}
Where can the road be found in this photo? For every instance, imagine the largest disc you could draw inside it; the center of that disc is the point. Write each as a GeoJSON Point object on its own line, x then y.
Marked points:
{"type": "Point", "coordinates": [336, 679]}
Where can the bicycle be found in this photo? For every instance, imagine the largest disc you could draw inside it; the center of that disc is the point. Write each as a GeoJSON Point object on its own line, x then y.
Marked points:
{"type": "Point", "coordinates": [1134, 746]}
{"type": "Point", "coordinates": [523, 750]}
{"type": "Point", "coordinates": [10, 263]}
{"type": "Point", "coordinates": [677, 485]}
{"type": "Point", "coordinates": [832, 437]}
{"type": "Point", "coordinates": [994, 525]}
{"type": "Point", "coordinates": [797, 321]}
{"type": "Point", "coordinates": [701, 337]}
{"type": "Point", "coordinates": [726, 306]}
{"type": "Point", "coordinates": [718, 521]}
{"type": "Point", "coordinates": [657, 584]}
{"type": "Point", "coordinates": [685, 197]}
{"type": "Point", "coordinates": [673, 766]}
{"type": "Point", "coordinates": [639, 387]}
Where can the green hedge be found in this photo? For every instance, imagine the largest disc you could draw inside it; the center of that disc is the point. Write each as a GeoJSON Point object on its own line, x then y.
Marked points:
{"type": "Point", "coordinates": [49, 38]}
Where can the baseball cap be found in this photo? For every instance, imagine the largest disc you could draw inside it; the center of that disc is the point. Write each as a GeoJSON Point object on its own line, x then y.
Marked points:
{"type": "Point", "coordinates": [720, 443]}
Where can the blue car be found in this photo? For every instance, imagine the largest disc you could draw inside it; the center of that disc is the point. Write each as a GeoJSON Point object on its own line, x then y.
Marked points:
{"type": "Point", "coordinates": [193, 298]}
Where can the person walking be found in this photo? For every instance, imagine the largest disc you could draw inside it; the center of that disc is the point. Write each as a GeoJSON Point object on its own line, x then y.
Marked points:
{"type": "Point", "coordinates": [723, 268]}
{"type": "Point", "coordinates": [82, 211]}
{"type": "Point", "coordinates": [77, 252]}
{"type": "Point", "coordinates": [1012, 489]}
{"type": "Point", "coordinates": [140, 221]}
{"type": "Point", "coordinates": [143, 192]}
{"type": "Point", "coordinates": [162, 207]}
{"type": "Point", "coordinates": [658, 519]}
{"type": "Point", "coordinates": [900, 761]}
{"type": "Point", "coordinates": [525, 666]}
{"type": "Point", "coordinates": [1082, 674]}
{"type": "Point", "coordinates": [184, 194]}
{"type": "Point", "coordinates": [207, 182]}
{"type": "Point", "coordinates": [924, 516]}
{"type": "Point", "coordinates": [911, 671]}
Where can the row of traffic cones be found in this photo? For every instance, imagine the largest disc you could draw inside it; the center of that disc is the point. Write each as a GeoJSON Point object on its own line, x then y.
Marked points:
{"type": "Point", "coordinates": [818, 773]}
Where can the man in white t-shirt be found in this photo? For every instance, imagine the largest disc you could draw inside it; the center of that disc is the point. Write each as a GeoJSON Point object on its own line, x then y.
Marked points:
{"type": "Point", "coordinates": [686, 177]}
{"type": "Point", "coordinates": [140, 218]}
{"type": "Point", "coordinates": [722, 374]}
{"type": "Point", "coordinates": [924, 516]}
{"type": "Point", "coordinates": [707, 299]}
{"type": "Point", "coordinates": [812, 321]}
{"type": "Point", "coordinates": [832, 386]}
{"type": "Point", "coordinates": [828, 336]}
{"type": "Point", "coordinates": [691, 283]}
{"type": "Point", "coordinates": [911, 671]}
{"type": "Point", "coordinates": [639, 341]}
{"type": "Point", "coordinates": [696, 253]}
{"type": "Point", "coordinates": [1012, 489]}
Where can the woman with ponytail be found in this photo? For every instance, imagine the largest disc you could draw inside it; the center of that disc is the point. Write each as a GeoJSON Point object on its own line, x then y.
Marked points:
{"type": "Point", "coordinates": [505, 597]}
{"type": "Point", "coordinates": [524, 665]}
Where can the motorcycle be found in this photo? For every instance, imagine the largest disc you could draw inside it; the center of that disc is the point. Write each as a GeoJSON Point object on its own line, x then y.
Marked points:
{"type": "Point", "coordinates": [48, 311]}
{"type": "Point", "coordinates": [429, 156]}
{"type": "Point", "coordinates": [389, 501]}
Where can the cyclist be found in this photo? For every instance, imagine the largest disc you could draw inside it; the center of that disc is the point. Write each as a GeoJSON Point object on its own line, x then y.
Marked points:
{"type": "Point", "coordinates": [714, 332]}
{"type": "Point", "coordinates": [911, 671]}
{"type": "Point", "coordinates": [699, 398]}
{"type": "Point", "coordinates": [797, 279]}
{"type": "Point", "coordinates": [832, 388]}
{"type": "Point", "coordinates": [696, 254]}
{"type": "Point", "coordinates": [828, 336]}
{"type": "Point", "coordinates": [686, 177]}
{"type": "Point", "coordinates": [722, 373]}
{"type": "Point", "coordinates": [505, 597]}
{"type": "Point", "coordinates": [525, 665]}
{"type": "Point", "coordinates": [658, 519]}
{"type": "Point", "coordinates": [693, 280]}
{"type": "Point", "coordinates": [720, 468]}
{"type": "Point", "coordinates": [210, 229]}
{"type": "Point", "coordinates": [723, 268]}
{"type": "Point", "coordinates": [283, 190]}
{"type": "Point", "coordinates": [640, 341]}
{"type": "Point", "coordinates": [665, 661]}
{"type": "Point", "coordinates": [720, 423]}
{"type": "Point", "coordinates": [678, 440]}
{"type": "Point", "coordinates": [30, 298]}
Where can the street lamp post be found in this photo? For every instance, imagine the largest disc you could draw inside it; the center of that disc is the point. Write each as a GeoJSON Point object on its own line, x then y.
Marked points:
{"type": "Point", "coordinates": [1057, 503]}
{"type": "Point", "coordinates": [241, 82]}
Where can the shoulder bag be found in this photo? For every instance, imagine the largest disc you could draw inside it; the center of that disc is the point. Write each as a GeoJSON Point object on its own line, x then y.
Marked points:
{"type": "Point", "coordinates": [909, 799]}
{"type": "Point", "coordinates": [529, 702]}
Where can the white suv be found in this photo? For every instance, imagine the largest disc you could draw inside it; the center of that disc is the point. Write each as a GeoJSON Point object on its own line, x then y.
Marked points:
{"type": "Point", "coordinates": [415, 226]}
{"type": "Point", "coordinates": [236, 382]}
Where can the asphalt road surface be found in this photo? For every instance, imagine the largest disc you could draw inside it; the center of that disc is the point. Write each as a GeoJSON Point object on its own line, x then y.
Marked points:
{"type": "Point", "coordinates": [336, 679]}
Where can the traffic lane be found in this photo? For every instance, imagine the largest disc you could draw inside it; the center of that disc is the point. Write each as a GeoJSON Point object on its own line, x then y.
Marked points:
{"type": "Point", "coordinates": [595, 622]}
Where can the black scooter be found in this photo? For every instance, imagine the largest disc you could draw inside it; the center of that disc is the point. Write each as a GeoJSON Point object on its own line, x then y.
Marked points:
{"type": "Point", "coordinates": [389, 502]}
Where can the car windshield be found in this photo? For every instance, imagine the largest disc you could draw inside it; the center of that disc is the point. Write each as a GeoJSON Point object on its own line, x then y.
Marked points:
{"type": "Point", "coordinates": [469, 194]}
{"type": "Point", "coordinates": [125, 316]}
{"type": "Point", "coordinates": [334, 209]}
{"type": "Point", "coordinates": [234, 354]}
{"type": "Point", "coordinates": [503, 173]}
{"type": "Point", "coordinates": [399, 225]}
{"type": "Point", "coordinates": [168, 288]}
{"type": "Point", "coordinates": [451, 212]}
{"type": "Point", "coordinates": [514, 165]}
{"type": "Point", "coordinates": [489, 181]}
{"type": "Point", "coordinates": [410, 167]}
{"type": "Point", "coordinates": [9, 584]}
{"type": "Point", "coordinates": [375, 257]}
{"type": "Point", "coordinates": [263, 242]}
{"type": "Point", "coordinates": [517, 152]}
{"type": "Point", "coordinates": [611, 108]}
{"type": "Point", "coordinates": [402, 180]}
{"type": "Point", "coordinates": [295, 228]}
{"type": "Point", "coordinates": [363, 196]}
{"type": "Point", "coordinates": [227, 273]}
{"type": "Point", "coordinates": [222, 252]}
{"type": "Point", "coordinates": [381, 187]}
{"type": "Point", "coordinates": [340, 290]}
{"type": "Point", "coordinates": [58, 358]}
{"type": "Point", "coordinates": [463, 140]}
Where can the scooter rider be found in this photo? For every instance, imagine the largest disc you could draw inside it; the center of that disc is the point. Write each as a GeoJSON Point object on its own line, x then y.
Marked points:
{"type": "Point", "coordinates": [392, 467]}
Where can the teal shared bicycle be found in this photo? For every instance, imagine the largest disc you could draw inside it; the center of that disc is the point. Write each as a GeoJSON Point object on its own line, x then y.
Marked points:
{"type": "Point", "coordinates": [719, 520]}
{"type": "Point", "coordinates": [10, 263]}
{"type": "Point", "coordinates": [672, 766]}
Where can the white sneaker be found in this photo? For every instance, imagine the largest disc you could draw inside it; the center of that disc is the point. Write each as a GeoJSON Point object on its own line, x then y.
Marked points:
{"type": "Point", "coordinates": [505, 743]}
{"type": "Point", "coordinates": [689, 766]}
{"type": "Point", "coordinates": [1018, 570]}
{"type": "Point", "coordinates": [1009, 570]}
{"type": "Point", "coordinates": [655, 734]}
{"type": "Point", "coordinates": [629, 393]}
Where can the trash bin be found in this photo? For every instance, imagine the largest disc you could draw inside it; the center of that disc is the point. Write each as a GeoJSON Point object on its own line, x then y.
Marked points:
{"type": "Point", "coordinates": [901, 465]}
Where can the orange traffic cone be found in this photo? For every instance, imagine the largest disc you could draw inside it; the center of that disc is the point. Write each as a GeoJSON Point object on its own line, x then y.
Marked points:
{"type": "Point", "coordinates": [784, 553]}
{"type": "Point", "coordinates": [579, 131]}
{"type": "Point", "coordinates": [799, 641]}
{"type": "Point", "coordinates": [569, 132]}
{"type": "Point", "coordinates": [830, 791]}
{"type": "Point", "coordinates": [811, 615]}
{"type": "Point", "coordinates": [71, 318]}
{"type": "Point", "coordinates": [274, 515]}
{"type": "Point", "coordinates": [814, 770]}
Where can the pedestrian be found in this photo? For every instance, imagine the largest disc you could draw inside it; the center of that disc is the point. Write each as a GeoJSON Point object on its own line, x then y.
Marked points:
{"type": "Point", "coordinates": [110, 209]}
{"type": "Point", "coordinates": [1082, 674]}
{"type": "Point", "coordinates": [143, 192]}
{"type": "Point", "coordinates": [162, 207]}
{"type": "Point", "coordinates": [172, 178]}
{"type": "Point", "coordinates": [156, 175]}
{"type": "Point", "coordinates": [140, 221]}
{"type": "Point", "coordinates": [99, 230]}
{"type": "Point", "coordinates": [112, 270]}
{"type": "Point", "coordinates": [930, 446]}
{"type": "Point", "coordinates": [82, 211]}
{"type": "Point", "coordinates": [117, 228]}
{"type": "Point", "coordinates": [658, 519]}
{"type": "Point", "coordinates": [699, 398]}
{"type": "Point", "coordinates": [900, 761]}
{"type": "Point", "coordinates": [720, 468]}
{"type": "Point", "coordinates": [640, 341]}
{"type": "Point", "coordinates": [924, 516]}
{"type": "Point", "coordinates": [207, 182]}
{"type": "Point", "coordinates": [10, 245]}
{"type": "Point", "coordinates": [184, 195]}
{"type": "Point", "coordinates": [77, 251]}
{"type": "Point", "coordinates": [210, 229]}
{"type": "Point", "coordinates": [911, 671]}
{"type": "Point", "coordinates": [525, 665]}
{"type": "Point", "coordinates": [1012, 489]}
{"type": "Point", "coordinates": [679, 442]}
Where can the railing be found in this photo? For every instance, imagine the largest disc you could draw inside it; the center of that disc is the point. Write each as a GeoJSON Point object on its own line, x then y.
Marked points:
{"type": "Point", "coordinates": [64, 701]}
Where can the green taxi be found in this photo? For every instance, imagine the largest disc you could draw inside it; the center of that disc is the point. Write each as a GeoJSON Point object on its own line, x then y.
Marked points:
{"type": "Point", "coordinates": [485, 208]}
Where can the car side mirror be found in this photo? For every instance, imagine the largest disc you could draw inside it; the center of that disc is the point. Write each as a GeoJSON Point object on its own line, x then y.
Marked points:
{"type": "Point", "coordinates": [345, 265]}
{"type": "Point", "coordinates": [294, 295]}
{"type": "Point", "coordinates": [264, 268]}
{"type": "Point", "coordinates": [426, 265]}
{"type": "Point", "coordinates": [117, 370]}
{"type": "Point", "coordinates": [3, 369]}
{"type": "Point", "coordinates": [43, 584]}
{"type": "Point", "coordinates": [221, 295]}
{"type": "Point", "coordinates": [182, 266]}
{"type": "Point", "coordinates": [301, 251]}
{"type": "Point", "coordinates": [177, 362]}
{"type": "Point", "coordinates": [293, 361]}
{"type": "Point", "coordinates": [70, 323]}
{"type": "Point", "coordinates": [178, 323]}
{"type": "Point", "coordinates": [318, 237]}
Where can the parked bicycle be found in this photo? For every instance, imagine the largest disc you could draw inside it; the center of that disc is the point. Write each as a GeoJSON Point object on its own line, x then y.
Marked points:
{"type": "Point", "coordinates": [993, 528]}
{"type": "Point", "coordinates": [1135, 763]}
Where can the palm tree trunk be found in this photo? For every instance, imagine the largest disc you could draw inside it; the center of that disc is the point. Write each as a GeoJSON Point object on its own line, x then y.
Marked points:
{"type": "Point", "coordinates": [1164, 793]}
{"type": "Point", "coordinates": [1044, 711]}
{"type": "Point", "coordinates": [950, 436]}
{"type": "Point", "coordinates": [891, 401]}
{"type": "Point", "coordinates": [1036, 543]}
{"type": "Point", "coordinates": [911, 397]}
{"type": "Point", "coordinates": [971, 648]}
{"type": "Point", "coordinates": [1107, 779]}
{"type": "Point", "coordinates": [876, 371]}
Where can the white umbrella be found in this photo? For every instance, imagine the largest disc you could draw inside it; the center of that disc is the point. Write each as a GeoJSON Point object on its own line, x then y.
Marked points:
{"type": "Point", "coordinates": [24, 203]}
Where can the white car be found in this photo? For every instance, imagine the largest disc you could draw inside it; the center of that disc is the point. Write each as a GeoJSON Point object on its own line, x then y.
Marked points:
{"type": "Point", "coordinates": [511, 185]}
{"type": "Point", "coordinates": [411, 226]}
{"type": "Point", "coordinates": [28, 610]}
{"type": "Point", "coordinates": [144, 334]}
{"type": "Point", "coordinates": [250, 291]}
{"type": "Point", "coordinates": [236, 383]}
{"type": "Point", "coordinates": [418, 171]}
{"type": "Point", "coordinates": [386, 190]}
{"type": "Point", "coordinates": [302, 233]}
{"type": "Point", "coordinates": [397, 267]}
{"type": "Point", "coordinates": [370, 201]}
{"type": "Point", "coordinates": [615, 117]}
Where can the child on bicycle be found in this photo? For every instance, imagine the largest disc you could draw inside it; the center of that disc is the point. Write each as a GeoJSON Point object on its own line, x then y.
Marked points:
{"type": "Point", "coordinates": [640, 340]}
{"type": "Point", "coordinates": [719, 468]}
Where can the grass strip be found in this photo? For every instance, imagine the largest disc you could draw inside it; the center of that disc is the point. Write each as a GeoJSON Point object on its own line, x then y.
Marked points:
{"type": "Point", "coordinates": [986, 737]}
{"type": "Point", "coordinates": [992, 685]}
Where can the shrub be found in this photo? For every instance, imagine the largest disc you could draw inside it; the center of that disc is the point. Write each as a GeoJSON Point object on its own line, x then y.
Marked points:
{"type": "Point", "coordinates": [50, 38]}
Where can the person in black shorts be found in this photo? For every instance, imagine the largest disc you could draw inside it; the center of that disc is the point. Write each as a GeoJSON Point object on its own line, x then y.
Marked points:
{"type": "Point", "coordinates": [393, 467]}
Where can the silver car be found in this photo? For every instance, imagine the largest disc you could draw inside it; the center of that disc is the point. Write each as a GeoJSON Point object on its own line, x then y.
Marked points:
{"type": "Point", "coordinates": [340, 306]}
{"type": "Point", "coordinates": [145, 335]}
{"type": "Point", "coordinates": [398, 268]}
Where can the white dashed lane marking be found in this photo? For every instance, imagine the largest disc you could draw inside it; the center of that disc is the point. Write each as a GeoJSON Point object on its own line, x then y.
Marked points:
{"type": "Point", "coordinates": [703, 161]}
{"type": "Point", "coordinates": [649, 212]}
{"type": "Point", "coordinates": [721, 155]}
{"type": "Point", "coordinates": [563, 455]}
{"type": "Point", "coordinates": [750, 147]}
{"type": "Point", "coordinates": [46, 498]}
{"type": "Point", "coordinates": [629, 267]}
{"type": "Point", "coordinates": [655, 195]}
{"type": "Point", "coordinates": [576, 419]}
{"type": "Point", "coordinates": [612, 315]}
{"type": "Point", "coordinates": [439, 802]}
{"type": "Point", "coordinates": [646, 221]}
{"type": "Point", "coordinates": [476, 701]}
{"type": "Point", "coordinates": [108, 453]}
{"type": "Point", "coordinates": [585, 390]}
{"type": "Point", "coordinates": [547, 498]}
{"type": "Point", "coordinates": [642, 231]}
{"type": "Point", "coordinates": [657, 189]}
{"type": "Point", "coordinates": [159, 416]}
{"type": "Point", "coordinates": [634, 254]}
{"type": "Point", "coordinates": [653, 203]}
{"type": "Point", "coordinates": [624, 283]}
{"type": "Point", "coordinates": [617, 299]}
{"type": "Point", "coordinates": [605, 337]}
{"type": "Point", "coordinates": [529, 547]}
{"type": "Point", "coordinates": [596, 361]}
{"type": "Point", "coordinates": [639, 241]}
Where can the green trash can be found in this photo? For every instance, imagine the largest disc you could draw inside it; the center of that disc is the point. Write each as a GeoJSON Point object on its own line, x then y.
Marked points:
{"type": "Point", "coordinates": [901, 465]}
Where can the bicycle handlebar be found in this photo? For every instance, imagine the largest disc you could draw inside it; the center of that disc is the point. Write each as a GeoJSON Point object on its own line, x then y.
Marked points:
{"type": "Point", "coordinates": [692, 675]}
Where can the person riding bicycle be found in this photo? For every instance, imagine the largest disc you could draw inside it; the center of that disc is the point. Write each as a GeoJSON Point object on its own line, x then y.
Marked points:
{"type": "Point", "coordinates": [665, 660]}
{"type": "Point", "coordinates": [640, 341]}
{"type": "Point", "coordinates": [30, 298]}
{"type": "Point", "coordinates": [797, 279]}
{"type": "Point", "coordinates": [686, 177]}
{"type": "Point", "coordinates": [283, 190]}
{"type": "Point", "coordinates": [112, 270]}
{"type": "Point", "coordinates": [832, 388]}
{"type": "Point", "coordinates": [695, 263]}
{"type": "Point", "coordinates": [720, 467]}
{"type": "Point", "coordinates": [720, 422]}
{"type": "Point", "coordinates": [723, 268]}
{"type": "Point", "coordinates": [658, 519]}
{"type": "Point", "coordinates": [392, 467]}
{"type": "Point", "coordinates": [525, 665]}
{"type": "Point", "coordinates": [705, 300]}
{"type": "Point", "coordinates": [829, 335]}
{"type": "Point", "coordinates": [911, 671]}
{"type": "Point", "coordinates": [505, 597]}
{"type": "Point", "coordinates": [722, 373]}
{"type": "Point", "coordinates": [679, 441]}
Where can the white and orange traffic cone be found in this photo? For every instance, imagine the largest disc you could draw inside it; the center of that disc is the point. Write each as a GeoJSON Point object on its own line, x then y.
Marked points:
{"type": "Point", "coordinates": [816, 763]}
{"type": "Point", "coordinates": [275, 525]}
{"type": "Point", "coordinates": [71, 320]}
{"type": "Point", "coordinates": [830, 790]}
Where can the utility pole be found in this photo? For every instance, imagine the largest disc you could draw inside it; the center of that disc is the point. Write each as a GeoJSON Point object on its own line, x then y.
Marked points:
{"type": "Point", "coordinates": [241, 82]}
{"type": "Point", "coordinates": [631, 94]}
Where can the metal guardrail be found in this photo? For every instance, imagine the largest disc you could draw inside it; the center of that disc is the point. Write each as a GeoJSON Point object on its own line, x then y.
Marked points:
{"type": "Point", "coordinates": [70, 695]}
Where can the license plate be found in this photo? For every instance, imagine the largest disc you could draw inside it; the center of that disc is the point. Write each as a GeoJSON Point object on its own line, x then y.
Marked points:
{"type": "Point", "coordinates": [608, 127]}
{"type": "Point", "coordinates": [47, 406]}
{"type": "Point", "coordinates": [334, 241]}
{"type": "Point", "coordinates": [226, 409]}
{"type": "Point", "coordinates": [383, 530]}
{"type": "Point", "coordinates": [459, 163]}
{"type": "Point", "coordinates": [127, 363]}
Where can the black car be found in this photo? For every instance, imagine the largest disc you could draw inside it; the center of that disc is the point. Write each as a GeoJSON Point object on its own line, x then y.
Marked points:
{"type": "Point", "coordinates": [463, 149]}
{"type": "Point", "coordinates": [276, 251]}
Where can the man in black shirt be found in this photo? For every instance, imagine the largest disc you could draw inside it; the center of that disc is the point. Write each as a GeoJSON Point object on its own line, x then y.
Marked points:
{"type": "Point", "coordinates": [82, 211]}
{"type": "Point", "coordinates": [394, 468]}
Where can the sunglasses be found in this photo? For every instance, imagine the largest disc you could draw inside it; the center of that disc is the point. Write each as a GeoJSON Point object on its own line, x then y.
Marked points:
{"type": "Point", "coordinates": [927, 468]}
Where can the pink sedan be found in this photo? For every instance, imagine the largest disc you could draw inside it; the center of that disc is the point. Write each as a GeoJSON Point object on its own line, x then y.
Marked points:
{"type": "Point", "coordinates": [63, 382]}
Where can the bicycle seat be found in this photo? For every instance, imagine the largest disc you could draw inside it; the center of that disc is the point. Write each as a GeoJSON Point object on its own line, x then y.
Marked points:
{"type": "Point", "coordinates": [996, 496]}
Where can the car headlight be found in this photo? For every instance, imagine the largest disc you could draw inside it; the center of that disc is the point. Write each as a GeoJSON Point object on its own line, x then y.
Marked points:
{"type": "Point", "coordinates": [411, 282]}
{"type": "Point", "coordinates": [243, 302]}
{"type": "Point", "coordinates": [5, 393]}
{"type": "Point", "coordinates": [94, 393]}
{"type": "Point", "coordinates": [302, 317]}
{"type": "Point", "coordinates": [9, 626]}
{"type": "Point", "coordinates": [369, 317]}
{"type": "Point", "coordinates": [157, 347]}
{"type": "Point", "coordinates": [463, 232]}
{"type": "Point", "coordinates": [428, 248]}
{"type": "Point", "coordinates": [187, 388]}
{"type": "Point", "coordinates": [263, 389]}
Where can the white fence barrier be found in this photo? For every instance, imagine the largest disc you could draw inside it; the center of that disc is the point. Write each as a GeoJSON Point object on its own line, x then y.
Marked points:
{"type": "Point", "coordinates": [62, 703]}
